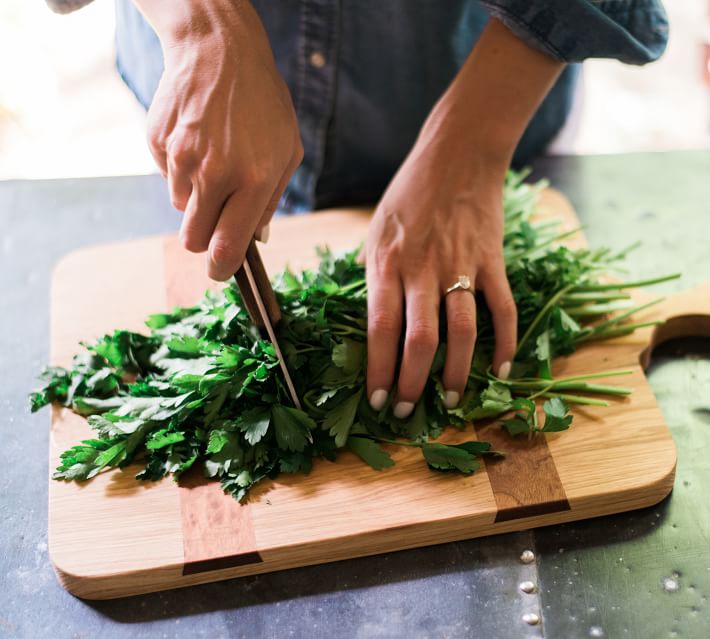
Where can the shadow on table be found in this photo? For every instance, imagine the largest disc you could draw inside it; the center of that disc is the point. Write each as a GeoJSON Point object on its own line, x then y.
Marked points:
{"type": "Point", "coordinates": [490, 554]}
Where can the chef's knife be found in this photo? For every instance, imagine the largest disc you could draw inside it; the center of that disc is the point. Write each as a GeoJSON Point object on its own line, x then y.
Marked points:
{"type": "Point", "coordinates": [262, 306]}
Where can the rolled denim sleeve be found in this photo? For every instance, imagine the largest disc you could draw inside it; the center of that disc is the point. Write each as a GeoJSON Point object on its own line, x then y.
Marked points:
{"type": "Point", "coordinates": [66, 6]}
{"type": "Point", "coordinates": [632, 31]}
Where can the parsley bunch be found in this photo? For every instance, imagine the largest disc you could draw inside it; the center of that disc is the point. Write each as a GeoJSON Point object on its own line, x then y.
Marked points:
{"type": "Point", "coordinates": [203, 388]}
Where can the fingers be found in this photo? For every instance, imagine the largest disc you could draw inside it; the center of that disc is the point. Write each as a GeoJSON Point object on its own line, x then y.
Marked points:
{"type": "Point", "coordinates": [421, 340]}
{"type": "Point", "coordinates": [422, 336]}
{"type": "Point", "coordinates": [156, 134]}
{"type": "Point", "coordinates": [179, 185]}
{"type": "Point", "coordinates": [233, 232]}
{"type": "Point", "coordinates": [499, 298]}
{"type": "Point", "coordinates": [384, 325]}
{"type": "Point", "coordinates": [461, 339]}
{"type": "Point", "coordinates": [262, 228]}
{"type": "Point", "coordinates": [205, 207]}
{"type": "Point", "coordinates": [201, 215]}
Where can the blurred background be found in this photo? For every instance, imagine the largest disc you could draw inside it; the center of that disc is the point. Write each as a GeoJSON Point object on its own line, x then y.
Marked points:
{"type": "Point", "coordinates": [64, 111]}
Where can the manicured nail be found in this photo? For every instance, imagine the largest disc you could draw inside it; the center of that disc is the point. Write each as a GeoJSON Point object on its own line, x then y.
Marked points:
{"type": "Point", "coordinates": [403, 409]}
{"type": "Point", "coordinates": [378, 399]}
{"type": "Point", "coordinates": [504, 370]}
{"type": "Point", "coordinates": [451, 399]}
{"type": "Point", "coordinates": [265, 233]}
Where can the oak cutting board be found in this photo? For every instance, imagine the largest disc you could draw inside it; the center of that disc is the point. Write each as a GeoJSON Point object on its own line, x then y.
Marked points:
{"type": "Point", "coordinates": [114, 536]}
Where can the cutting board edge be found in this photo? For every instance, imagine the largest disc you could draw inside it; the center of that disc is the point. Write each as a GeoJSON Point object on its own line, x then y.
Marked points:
{"type": "Point", "coordinates": [138, 582]}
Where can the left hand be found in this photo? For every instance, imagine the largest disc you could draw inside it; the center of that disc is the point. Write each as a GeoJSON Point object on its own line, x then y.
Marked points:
{"type": "Point", "coordinates": [440, 217]}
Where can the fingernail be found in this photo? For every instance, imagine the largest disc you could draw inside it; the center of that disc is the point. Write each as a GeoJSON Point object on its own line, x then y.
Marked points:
{"type": "Point", "coordinates": [265, 233]}
{"type": "Point", "coordinates": [378, 399]}
{"type": "Point", "coordinates": [504, 370]}
{"type": "Point", "coordinates": [451, 399]}
{"type": "Point", "coordinates": [403, 409]}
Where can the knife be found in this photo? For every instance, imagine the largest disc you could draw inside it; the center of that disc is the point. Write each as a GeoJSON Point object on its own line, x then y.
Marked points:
{"type": "Point", "coordinates": [263, 308]}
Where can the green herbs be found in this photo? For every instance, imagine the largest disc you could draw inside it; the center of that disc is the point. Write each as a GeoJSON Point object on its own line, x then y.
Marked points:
{"type": "Point", "coordinates": [204, 389]}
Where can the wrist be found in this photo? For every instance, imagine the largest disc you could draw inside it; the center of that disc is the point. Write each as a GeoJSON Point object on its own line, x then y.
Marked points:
{"type": "Point", "coordinates": [485, 110]}
{"type": "Point", "coordinates": [184, 22]}
{"type": "Point", "coordinates": [456, 135]}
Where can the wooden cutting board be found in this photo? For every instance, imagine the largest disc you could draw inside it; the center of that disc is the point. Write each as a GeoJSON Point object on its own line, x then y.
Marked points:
{"type": "Point", "coordinates": [114, 536]}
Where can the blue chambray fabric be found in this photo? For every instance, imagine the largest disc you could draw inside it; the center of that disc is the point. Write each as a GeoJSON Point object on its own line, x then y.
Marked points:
{"type": "Point", "coordinates": [364, 74]}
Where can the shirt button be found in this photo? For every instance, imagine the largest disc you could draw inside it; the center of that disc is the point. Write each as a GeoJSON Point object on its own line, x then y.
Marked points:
{"type": "Point", "coordinates": [317, 59]}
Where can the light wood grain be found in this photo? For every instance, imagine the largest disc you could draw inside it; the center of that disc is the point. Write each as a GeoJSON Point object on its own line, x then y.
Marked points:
{"type": "Point", "coordinates": [113, 536]}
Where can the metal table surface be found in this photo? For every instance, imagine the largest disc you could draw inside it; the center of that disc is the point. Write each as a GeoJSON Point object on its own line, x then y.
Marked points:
{"type": "Point", "coordinates": [641, 574]}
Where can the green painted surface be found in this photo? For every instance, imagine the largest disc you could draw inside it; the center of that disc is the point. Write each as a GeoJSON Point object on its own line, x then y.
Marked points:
{"type": "Point", "coordinates": [644, 574]}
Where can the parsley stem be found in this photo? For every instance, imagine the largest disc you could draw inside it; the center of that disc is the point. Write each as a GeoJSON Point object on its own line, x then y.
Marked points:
{"type": "Point", "coordinates": [632, 311]}
{"type": "Point", "coordinates": [398, 442]}
{"type": "Point", "coordinates": [541, 245]}
{"type": "Point", "coordinates": [626, 329]}
{"type": "Point", "coordinates": [550, 303]}
{"type": "Point", "coordinates": [521, 381]}
{"type": "Point", "coordinates": [353, 285]}
{"type": "Point", "coordinates": [574, 299]}
{"type": "Point", "coordinates": [618, 286]}
{"type": "Point", "coordinates": [596, 309]}
{"type": "Point", "coordinates": [583, 387]}
{"type": "Point", "coordinates": [577, 399]}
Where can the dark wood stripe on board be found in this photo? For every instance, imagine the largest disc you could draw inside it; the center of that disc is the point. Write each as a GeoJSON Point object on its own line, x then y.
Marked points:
{"type": "Point", "coordinates": [217, 531]}
{"type": "Point", "coordinates": [526, 484]}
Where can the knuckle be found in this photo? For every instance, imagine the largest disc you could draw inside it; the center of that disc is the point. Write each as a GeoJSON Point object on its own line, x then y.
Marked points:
{"type": "Point", "coordinates": [192, 242]}
{"type": "Point", "coordinates": [157, 150]}
{"type": "Point", "coordinates": [384, 260]}
{"type": "Point", "coordinates": [422, 335]}
{"type": "Point", "coordinates": [182, 156]}
{"type": "Point", "coordinates": [212, 171]}
{"type": "Point", "coordinates": [223, 253]}
{"type": "Point", "coordinates": [461, 324]}
{"type": "Point", "coordinates": [507, 308]}
{"type": "Point", "coordinates": [155, 134]}
{"type": "Point", "coordinates": [253, 179]}
{"type": "Point", "coordinates": [384, 322]}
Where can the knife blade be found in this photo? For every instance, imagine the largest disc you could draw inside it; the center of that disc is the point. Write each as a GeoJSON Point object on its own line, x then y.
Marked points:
{"type": "Point", "coordinates": [263, 307]}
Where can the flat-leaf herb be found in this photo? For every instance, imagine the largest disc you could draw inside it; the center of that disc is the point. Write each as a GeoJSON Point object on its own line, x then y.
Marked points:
{"type": "Point", "coordinates": [203, 388]}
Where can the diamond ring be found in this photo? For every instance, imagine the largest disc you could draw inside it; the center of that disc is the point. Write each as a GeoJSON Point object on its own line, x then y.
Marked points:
{"type": "Point", "coordinates": [463, 283]}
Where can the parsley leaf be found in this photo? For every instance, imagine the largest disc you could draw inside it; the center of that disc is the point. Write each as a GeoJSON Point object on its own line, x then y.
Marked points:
{"type": "Point", "coordinates": [370, 452]}
{"type": "Point", "coordinates": [444, 457]}
{"type": "Point", "coordinates": [254, 424]}
{"type": "Point", "coordinates": [340, 418]}
{"type": "Point", "coordinates": [557, 417]}
{"type": "Point", "coordinates": [292, 427]}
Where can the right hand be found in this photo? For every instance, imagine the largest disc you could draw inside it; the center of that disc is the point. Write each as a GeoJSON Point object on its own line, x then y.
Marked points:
{"type": "Point", "coordinates": [222, 128]}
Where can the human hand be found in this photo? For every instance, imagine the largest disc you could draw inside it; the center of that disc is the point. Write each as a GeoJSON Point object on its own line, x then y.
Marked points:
{"type": "Point", "coordinates": [222, 126]}
{"type": "Point", "coordinates": [440, 217]}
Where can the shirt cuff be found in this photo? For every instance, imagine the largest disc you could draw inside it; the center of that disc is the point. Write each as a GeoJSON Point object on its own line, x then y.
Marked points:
{"type": "Point", "coordinates": [632, 31]}
{"type": "Point", "coordinates": [66, 6]}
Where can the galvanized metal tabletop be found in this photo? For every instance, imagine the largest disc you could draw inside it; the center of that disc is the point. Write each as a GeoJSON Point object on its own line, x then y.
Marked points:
{"type": "Point", "coordinates": [644, 574]}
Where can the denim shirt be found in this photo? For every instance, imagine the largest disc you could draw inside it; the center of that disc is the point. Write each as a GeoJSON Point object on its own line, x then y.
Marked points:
{"type": "Point", "coordinates": [364, 74]}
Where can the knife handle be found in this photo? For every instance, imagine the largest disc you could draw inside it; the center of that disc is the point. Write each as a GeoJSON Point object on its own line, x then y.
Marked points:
{"type": "Point", "coordinates": [263, 285]}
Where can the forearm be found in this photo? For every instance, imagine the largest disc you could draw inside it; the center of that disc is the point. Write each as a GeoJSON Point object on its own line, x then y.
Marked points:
{"type": "Point", "coordinates": [484, 112]}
